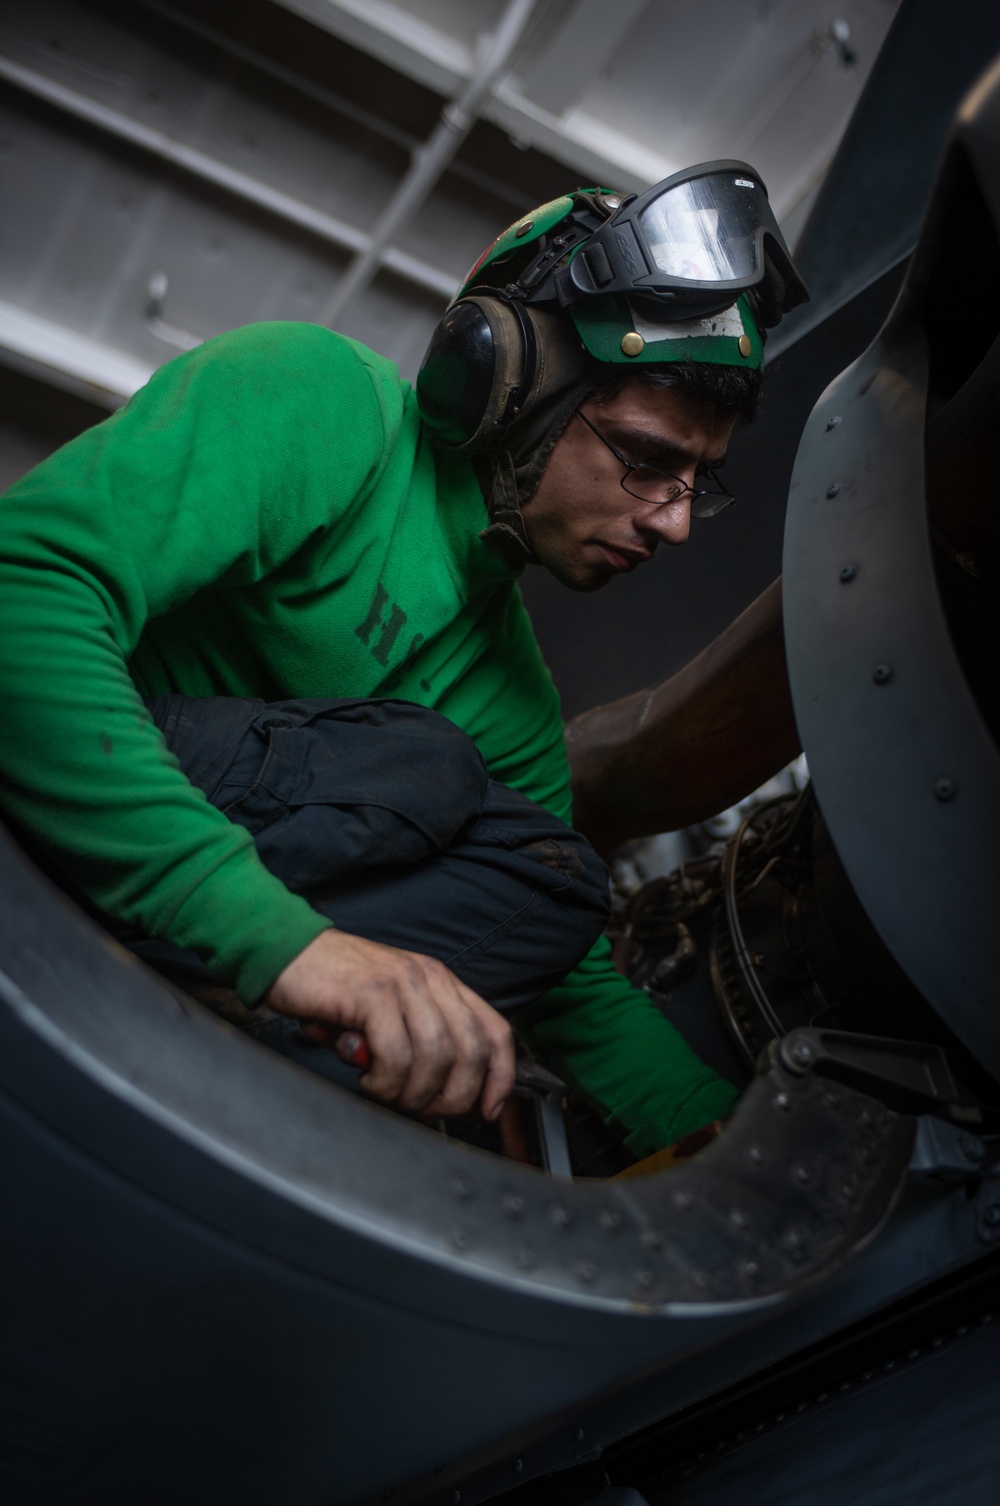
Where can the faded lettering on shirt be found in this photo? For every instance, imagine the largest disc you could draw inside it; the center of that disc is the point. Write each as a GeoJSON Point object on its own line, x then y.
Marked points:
{"type": "Point", "coordinates": [379, 633]}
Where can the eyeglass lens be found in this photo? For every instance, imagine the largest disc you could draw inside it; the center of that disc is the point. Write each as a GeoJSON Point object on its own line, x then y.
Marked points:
{"type": "Point", "coordinates": [650, 485]}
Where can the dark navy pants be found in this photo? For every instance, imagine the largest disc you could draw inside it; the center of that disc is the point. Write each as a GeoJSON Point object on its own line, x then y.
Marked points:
{"type": "Point", "coordinates": [382, 814]}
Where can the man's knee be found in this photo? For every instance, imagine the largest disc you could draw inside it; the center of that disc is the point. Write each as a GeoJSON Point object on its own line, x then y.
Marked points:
{"type": "Point", "coordinates": [549, 855]}
{"type": "Point", "coordinates": [398, 761]}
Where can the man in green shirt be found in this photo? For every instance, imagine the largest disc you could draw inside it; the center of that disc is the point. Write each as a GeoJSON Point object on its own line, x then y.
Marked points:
{"type": "Point", "coordinates": [267, 520]}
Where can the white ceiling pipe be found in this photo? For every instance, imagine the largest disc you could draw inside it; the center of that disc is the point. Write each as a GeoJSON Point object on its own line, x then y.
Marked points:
{"type": "Point", "coordinates": [430, 161]}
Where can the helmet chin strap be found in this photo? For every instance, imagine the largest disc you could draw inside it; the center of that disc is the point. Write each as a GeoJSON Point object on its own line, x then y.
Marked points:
{"type": "Point", "coordinates": [510, 470]}
{"type": "Point", "coordinates": [506, 532]}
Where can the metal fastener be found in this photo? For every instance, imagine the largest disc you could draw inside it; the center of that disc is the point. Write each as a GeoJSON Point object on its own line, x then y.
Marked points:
{"type": "Point", "coordinates": [745, 346]}
{"type": "Point", "coordinates": [945, 789]}
{"type": "Point", "coordinates": [523, 229]}
{"type": "Point", "coordinates": [832, 423]}
{"type": "Point", "coordinates": [782, 1101]}
{"type": "Point", "coordinates": [849, 573]}
{"type": "Point", "coordinates": [801, 1053]}
{"type": "Point", "coordinates": [882, 674]}
{"type": "Point", "coordinates": [512, 1204]}
{"type": "Point", "coordinates": [633, 344]}
{"type": "Point", "coordinates": [794, 1246]}
{"type": "Point", "coordinates": [834, 489]}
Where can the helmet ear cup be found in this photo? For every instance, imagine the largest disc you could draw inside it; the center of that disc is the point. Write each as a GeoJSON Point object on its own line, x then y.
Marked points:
{"type": "Point", "coordinates": [479, 361]}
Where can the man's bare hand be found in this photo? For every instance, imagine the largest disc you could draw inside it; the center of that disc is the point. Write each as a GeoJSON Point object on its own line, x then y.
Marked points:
{"type": "Point", "coordinates": [437, 1048]}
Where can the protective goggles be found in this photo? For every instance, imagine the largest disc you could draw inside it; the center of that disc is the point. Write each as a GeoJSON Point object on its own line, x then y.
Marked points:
{"type": "Point", "coordinates": [695, 241]}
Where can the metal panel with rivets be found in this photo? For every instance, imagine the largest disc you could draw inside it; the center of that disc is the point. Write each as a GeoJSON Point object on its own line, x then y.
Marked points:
{"type": "Point", "coordinates": [906, 767]}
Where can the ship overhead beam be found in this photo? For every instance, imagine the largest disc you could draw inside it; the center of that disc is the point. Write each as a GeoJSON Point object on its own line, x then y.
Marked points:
{"type": "Point", "coordinates": [209, 169]}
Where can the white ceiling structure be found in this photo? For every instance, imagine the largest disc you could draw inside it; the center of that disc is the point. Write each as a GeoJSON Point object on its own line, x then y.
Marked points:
{"type": "Point", "coordinates": [170, 172]}
{"type": "Point", "coordinates": [629, 91]}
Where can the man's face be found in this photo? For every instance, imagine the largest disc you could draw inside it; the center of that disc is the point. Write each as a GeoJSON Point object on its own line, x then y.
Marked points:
{"type": "Point", "coordinates": [583, 526]}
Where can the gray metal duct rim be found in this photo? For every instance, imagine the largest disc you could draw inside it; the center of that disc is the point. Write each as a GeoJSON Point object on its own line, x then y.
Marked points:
{"type": "Point", "coordinates": [905, 768]}
{"type": "Point", "coordinates": [725, 1234]}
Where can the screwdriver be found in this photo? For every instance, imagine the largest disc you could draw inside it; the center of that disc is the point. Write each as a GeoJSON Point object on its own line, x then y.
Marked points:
{"type": "Point", "coordinates": [352, 1048]}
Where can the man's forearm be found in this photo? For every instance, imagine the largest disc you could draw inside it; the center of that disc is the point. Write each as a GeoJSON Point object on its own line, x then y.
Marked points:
{"type": "Point", "coordinates": [677, 753]}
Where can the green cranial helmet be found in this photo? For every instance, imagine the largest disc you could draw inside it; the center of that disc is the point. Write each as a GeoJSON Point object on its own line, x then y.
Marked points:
{"type": "Point", "coordinates": [691, 271]}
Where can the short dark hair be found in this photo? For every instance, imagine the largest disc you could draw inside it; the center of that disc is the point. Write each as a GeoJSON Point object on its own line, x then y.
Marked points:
{"type": "Point", "coordinates": [729, 389]}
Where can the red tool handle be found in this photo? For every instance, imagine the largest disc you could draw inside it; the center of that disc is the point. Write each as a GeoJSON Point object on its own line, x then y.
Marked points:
{"type": "Point", "coordinates": [352, 1048]}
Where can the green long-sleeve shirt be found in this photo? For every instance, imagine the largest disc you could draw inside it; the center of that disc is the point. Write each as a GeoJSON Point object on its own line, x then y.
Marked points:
{"type": "Point", "coordinates": [266, 518]}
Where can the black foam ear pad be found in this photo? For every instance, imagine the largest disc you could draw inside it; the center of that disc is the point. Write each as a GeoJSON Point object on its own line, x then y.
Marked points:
{"type": "Point", "coordinates": [480, 359]}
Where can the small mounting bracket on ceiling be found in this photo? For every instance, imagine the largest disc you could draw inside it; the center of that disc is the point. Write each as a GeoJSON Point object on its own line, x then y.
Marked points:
{"type": "Point", "coordinates": [170, 334]}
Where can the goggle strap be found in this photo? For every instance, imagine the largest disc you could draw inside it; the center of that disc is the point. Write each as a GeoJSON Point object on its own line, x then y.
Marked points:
{"type": "Point", "coordinates": [588, 214]}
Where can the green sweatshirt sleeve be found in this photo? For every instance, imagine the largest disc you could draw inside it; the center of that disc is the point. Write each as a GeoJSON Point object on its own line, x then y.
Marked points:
{"type": "Point", "coordinates": [609, 1041]}
{"type": "Point", "coordinates": [215, 475]}
{"type": "Point", "coordinates": [605, 1037]}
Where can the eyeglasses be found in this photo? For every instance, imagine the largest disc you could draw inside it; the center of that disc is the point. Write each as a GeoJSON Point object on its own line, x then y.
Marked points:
{"type": "Point", "coordinates": [652, 485]}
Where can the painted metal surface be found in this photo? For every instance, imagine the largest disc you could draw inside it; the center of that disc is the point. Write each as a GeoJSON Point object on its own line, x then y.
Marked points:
{"type": "Point", "coordinates": [131, 148]}
{"type": "Point", "coordinates": [920, 1430]}
{"type": "Point", "coordinates": [906, 771]}
{"type": "Point", "coordinates": [626, 95]}
{"type": "Point", "coordinates": [867, 214]}
{"type": "Point", "coordinates": [193, 1218]}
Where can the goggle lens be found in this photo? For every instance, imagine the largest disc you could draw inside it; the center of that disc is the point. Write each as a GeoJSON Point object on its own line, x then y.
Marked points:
{"type": "Point", "coordinates": [706, 230]}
